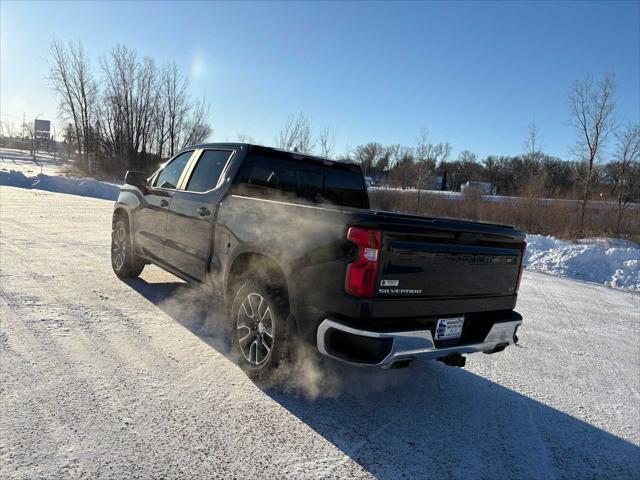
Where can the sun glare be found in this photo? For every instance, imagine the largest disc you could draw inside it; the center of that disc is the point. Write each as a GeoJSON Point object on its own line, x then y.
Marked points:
{"type": "Point", "coordinates": [197, 66]}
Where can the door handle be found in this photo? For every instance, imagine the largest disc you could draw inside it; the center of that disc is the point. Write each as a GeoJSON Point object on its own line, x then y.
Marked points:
{"type": "Point", "coordinates": [204, 211]}
{"type": "Point", "coordinates": [163, 203]}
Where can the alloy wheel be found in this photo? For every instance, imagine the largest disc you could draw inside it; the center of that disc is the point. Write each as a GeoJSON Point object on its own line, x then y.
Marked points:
{"type": "Point", "coordinates": [255, 326]}
{"type": "Point", "coordinates": [119, 246]}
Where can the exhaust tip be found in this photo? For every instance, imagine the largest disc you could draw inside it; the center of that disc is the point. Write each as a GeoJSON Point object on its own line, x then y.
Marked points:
{"type": "Point", "coordinates": [453, 360]}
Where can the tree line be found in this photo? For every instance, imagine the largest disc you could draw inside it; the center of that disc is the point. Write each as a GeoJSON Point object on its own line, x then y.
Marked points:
{"type": "Point", "coordinates": [129, 113]}
{"type": "Point", "coordinates": [604, 163]}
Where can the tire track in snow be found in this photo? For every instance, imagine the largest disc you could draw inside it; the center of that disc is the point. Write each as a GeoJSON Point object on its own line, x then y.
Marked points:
{"type": "Point", "coordinates": [122, 389]}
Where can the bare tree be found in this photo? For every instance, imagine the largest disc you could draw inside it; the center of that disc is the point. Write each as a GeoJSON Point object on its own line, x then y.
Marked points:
{"type": "Point", "coordinates": [70, 76]}
{"type": "Point", "coordinates": [467, 156]}
{"type": "Point", "coordinates": [427, 156]}
{"type": "Point", "coordinates": [368, 155]}
{"type": "Point", "coordinates": [173, 91]}
{"type": "Point", "coordinates": [430, 154]}
{"type": "Point", "coordinates": [61, 82]}
{"type": "Point", "coordinates": [626, 171]}
{"type": "Point", "coordinates": [533, 143]}
{"type": "Point", "coordinates": [197, 129]}
{"type": "Point", "coordinates": [403, 160]}
{"type": "Point", "coordinates": [29, 128]}
{"type": "Point", "coordinates": [86, 93]}
{"type": "Point", "coordinates": [295, 135]}
{"type": "Point", "coordinates": [132, 116]}
{"type": "Point", "coordinates": [425, 163]}
{"type": "Point", "coordinates": [326, 142]}
{"type": "Point", "coordinates": [130, 99]}
{"type": "Point", "coordinates": [161, 121]}
{"type": "Point", "coordinates": [592, 116]}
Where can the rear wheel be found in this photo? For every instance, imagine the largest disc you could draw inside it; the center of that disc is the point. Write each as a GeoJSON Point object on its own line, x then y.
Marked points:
{"type": "Point", "coordinates": [125, 263]}
{"type": "Point", "coordinates": [259, 323]}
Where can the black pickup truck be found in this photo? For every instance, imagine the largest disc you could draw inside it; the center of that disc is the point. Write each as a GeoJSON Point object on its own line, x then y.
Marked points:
{"type": "Point", "coordinates": [289, 242]}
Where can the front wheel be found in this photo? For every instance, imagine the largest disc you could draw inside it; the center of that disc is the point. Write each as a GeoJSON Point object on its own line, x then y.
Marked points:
{"type": "Point", "coordinates": [124, 261]}
{"type": "Point", "coordinates": [259, 323]}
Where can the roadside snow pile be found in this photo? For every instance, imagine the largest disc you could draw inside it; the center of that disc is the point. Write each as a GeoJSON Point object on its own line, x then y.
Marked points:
{"type": "Point", "coordinates": [52, 183]}
{"type": "Point", "coordinates": [607, 261]}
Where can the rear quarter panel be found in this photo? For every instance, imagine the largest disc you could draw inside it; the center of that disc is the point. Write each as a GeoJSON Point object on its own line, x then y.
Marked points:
{"type": "Point", "coordinates": [307, 242]}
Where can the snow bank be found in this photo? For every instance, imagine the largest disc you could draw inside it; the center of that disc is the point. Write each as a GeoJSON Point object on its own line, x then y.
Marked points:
{"type": "Point", "coordinates": [607, 261]}
{"type": "Point", "coordinates": [53, 183]}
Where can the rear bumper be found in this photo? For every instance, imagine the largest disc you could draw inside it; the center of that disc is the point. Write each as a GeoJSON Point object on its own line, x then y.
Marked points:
{"type": "Point", "coordinates": [382, 349]}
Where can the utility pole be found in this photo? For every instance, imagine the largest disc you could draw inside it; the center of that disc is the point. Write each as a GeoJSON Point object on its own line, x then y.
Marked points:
{"type": "Point", "coordinates": [55, 145]}
{"type": "Point", "coordinates": [33, 141]}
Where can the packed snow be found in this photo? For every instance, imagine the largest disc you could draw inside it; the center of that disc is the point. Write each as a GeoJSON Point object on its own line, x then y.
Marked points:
{"type": "Point", "coordinates": [606, 261]}
{"type": "Point", "coordinates": [102, 378]}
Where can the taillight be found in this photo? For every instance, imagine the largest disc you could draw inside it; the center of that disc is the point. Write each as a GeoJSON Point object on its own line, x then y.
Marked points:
{"type": "Point", "coordinates": [361, 274]}
{"type": "Point", "coordinates": [523, 249]}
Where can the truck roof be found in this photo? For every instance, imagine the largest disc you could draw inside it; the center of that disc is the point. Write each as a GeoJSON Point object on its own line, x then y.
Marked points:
{"type": "Point", "coordinates": [271, 150]}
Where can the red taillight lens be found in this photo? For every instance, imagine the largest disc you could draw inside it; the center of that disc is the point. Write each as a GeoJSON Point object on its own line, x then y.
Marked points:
{"type": "Point", "coordinates": [523, 249]}
{"type": "Point", "coordinates": [361, 274]}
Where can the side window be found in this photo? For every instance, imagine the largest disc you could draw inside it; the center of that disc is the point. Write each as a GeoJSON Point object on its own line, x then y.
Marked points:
{"type": "Point", "coordinates": [170, 175]}
{"type": "Point", "coordinates": [280, 175]}
{"type": "Point", "coordinates": [208, 169]}
{"type": "Point", "coordinates": [302, 183]}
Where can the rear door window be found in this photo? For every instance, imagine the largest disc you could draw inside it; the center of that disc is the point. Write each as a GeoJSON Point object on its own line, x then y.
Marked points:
{"type": "Point", "coordinates": [170, 175]}
{"type": "Point", "coordinates": [208, 169]}
{"type": "Point", "coordinates": [301, 183]}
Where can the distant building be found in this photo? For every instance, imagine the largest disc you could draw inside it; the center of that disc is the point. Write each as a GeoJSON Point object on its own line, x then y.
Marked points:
{"type": "Point", "coordinates": [482, 188]}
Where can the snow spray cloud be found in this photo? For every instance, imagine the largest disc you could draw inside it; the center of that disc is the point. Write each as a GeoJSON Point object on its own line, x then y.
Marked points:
{"type": "Point", "coordinates": [312, 235]}
{"type": "Point", "coordinates": [200, 313]}
{"type": "Point", "coordinates": [309, 235]}
{"type": "Point", "coordinates": [312, 376]}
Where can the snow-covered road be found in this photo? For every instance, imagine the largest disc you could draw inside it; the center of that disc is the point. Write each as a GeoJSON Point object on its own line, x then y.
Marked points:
{"type": "Point", "coordinates": [105, 379]}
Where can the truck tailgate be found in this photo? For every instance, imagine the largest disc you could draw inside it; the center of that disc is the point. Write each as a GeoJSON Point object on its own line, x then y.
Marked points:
{"type": "Point", "coordinates": [448, 264]}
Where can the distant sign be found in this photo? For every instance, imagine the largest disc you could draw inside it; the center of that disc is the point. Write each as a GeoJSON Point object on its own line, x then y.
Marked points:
{"type": "Point", "coordinates": [41, 128]}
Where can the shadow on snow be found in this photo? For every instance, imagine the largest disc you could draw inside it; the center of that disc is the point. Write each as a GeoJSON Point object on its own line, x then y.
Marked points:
{"type": "Point", "coordinates": [430, 421]}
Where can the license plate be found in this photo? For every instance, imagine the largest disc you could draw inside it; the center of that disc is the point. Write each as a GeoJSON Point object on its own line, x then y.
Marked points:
{"type": "Point", "coordinates": [449, 328]}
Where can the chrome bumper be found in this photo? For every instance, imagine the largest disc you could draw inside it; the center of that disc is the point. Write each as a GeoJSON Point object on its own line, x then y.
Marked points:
{"type": "Point", "coordinates": [408, 345]}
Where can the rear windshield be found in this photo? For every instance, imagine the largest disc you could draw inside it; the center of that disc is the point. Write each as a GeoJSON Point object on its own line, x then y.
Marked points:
{"type": "Point", "coordinates": [301, 180]}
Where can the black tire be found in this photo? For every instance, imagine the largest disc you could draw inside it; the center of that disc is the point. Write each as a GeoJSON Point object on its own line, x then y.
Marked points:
{"type": "Point", "coordinates": [125, 263]}
{"type": "Point", "coordinates": [251, 341]}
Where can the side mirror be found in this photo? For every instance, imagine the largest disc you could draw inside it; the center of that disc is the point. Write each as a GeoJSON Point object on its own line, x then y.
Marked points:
{"type": "Point", "coordinates": [137, 179]}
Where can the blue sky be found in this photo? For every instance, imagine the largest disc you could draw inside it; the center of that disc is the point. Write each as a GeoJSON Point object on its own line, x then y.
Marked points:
{"type": "Point", "coordinates": [475, 74]}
